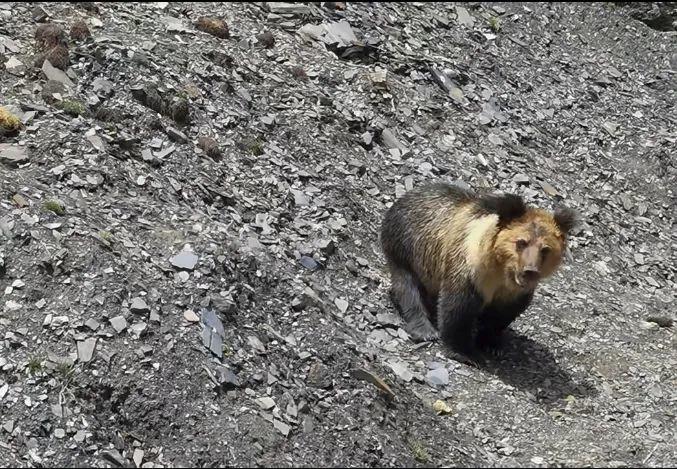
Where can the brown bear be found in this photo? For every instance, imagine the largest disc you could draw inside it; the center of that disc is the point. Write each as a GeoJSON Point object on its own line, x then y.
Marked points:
{"type": "Point", "coordinates": [463, 266]}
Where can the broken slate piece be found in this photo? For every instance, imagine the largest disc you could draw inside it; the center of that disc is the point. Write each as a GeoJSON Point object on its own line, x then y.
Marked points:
{"type": "Point", "coordinates": [184, 260]}
{"type": "Point", "coordinates": [227, 379]}
{"type": "Point", "coordinates": [12, 156]}
{"type": "Point", "coordinates": [139, 306]}
{"type": "Point", "coordinates": [390, 141]}
{"type": "Point", "coordinates": [521, 178]}
{"type": "Point", "coordinates": [341, 304]}
{"type": "Point", "coordinates": [138, 328]}
{"type": "Point", "coordinates": [119, 323]}
{"type": "Point", "coordinates": [154, 317]}
{"type": "Point", "coordinates": [388, 319]}
{"type": "Point", "coordinates": [212, 332]}
{"type": "Point", "coordinates": [176, 135]}
{"type": "Point", "coordinates": [610, 127]}
{"type": "Point", "coordinates": [86, 349]}
{"type": "Point", "coordinates": [92, 323]}
{"type": "Point", "coordinates": [256, 344]}
{"type": "Point", "coordinates": [309, 263]}
{"type": "Point", "coordinates": [282, 427]}
{"type": "Point", "coordinates": [438, 377]}
{"type": "Point", "coordinates": [327, 246]}
{"type": "Point", "coordinates": [338, 34]}
{"type": "Point", "coordinates": [15, 66]}
{"type": "Point", "coordinates": [464, 18]}
{"type": "Point", "coordinates": [137, 456]}
{"type": "Point", "coordinates": [284, 8]}
{"type": "Point", "coordinates": [53, 73]}
{"type": "Point", "coordinates": [266, 403]}
{"type": "Point", "coordinates": [8, 426]}
{"type": "Point", "coordinates": [300, 199]}
{"type": "Point", "coordinates": [174, 24]}
{"type": "Point", "coordinates": [402, 370]}
{"type": "Point", "coordinates": [114, 457]}
{"type": "Point", "coordinates": [147, 155]}
{"type": "Point", "coordinates": [60, 411]}
{"type": "Point", "coordinates": [144, 351]}
{"type": "Point", "coordinates": [166, 152]}
{"type": "Point", "coordinates": [96, 142]}
{"type": "Point", "coordinates": [548, 189]}
{"type": "Point", "coordinates": [444, 80]}
{"type": "Point", "coordinates": [627, 202]}
{"type": "Point", "coordinates": [102, 87]}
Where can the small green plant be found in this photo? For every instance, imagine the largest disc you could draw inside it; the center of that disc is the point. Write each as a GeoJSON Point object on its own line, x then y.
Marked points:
{"type": "Point", "coordinates": [72, 107]}
{"type": "Point", "coordinates": [256, 147]}
{"type": "Point", "coordinates": [34, 365]}
{"type": "Point", "coordinates": [419, 451]}
{"type": "Point", "coordinates": [495, 23]}
{"type": "Point", "coordinates": [64, 370]}
{"type": "Point", "coordinates": [54, 206]}
{"type": "Point", "coordinates": [106, 236]}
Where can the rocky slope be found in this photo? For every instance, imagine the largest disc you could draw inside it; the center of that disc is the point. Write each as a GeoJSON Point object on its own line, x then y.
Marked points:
{"type": "Point", "coordinates": [189, 213]}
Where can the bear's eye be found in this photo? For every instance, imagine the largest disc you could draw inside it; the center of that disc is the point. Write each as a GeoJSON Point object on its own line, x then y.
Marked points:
{"type": "Point", "coordinates": [521, 244]}
{"type": "Point", "coordinates": [545, 250]}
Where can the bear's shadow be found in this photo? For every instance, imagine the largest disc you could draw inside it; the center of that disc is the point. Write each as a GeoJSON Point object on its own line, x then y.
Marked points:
{"type": "Point", "coordinates": [529, 366]}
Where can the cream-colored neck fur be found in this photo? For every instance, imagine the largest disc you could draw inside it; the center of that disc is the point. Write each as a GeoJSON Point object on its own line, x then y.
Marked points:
{"type": "Point", "coordinates": [489, 278]}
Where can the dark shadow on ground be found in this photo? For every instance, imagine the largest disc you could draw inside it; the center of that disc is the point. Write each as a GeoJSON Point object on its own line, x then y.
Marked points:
{"type": "Point", "coordinates": [530, 366]}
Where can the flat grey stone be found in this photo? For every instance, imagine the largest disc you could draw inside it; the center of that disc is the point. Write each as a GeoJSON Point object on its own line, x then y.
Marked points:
{"type": "Point", "coordinates": [227, 378]}
{"type": "Point", "coordinates": [438, 377]}
{"type": "Point", "coordinates": [390, 141]}
{"type": "Point", "coordinates": [86, 349]}
{"type": "Point", "coordinates": [139, 306]}
{"type": "Point", "coordinates": [282, 427]}
{"type": "Point", "coordinates": [212, 332]}
{"type": "Point", "coordinates": [464, 17]}
{"type": "Point", "coordinates": [402, 370]}
{"type": "Point", "coordinates": [12, 155]}
{"type": "Point", "coordinates": [53, 73]}
{"type": "Point", "coordinates": [287, 8]}
{"type": "Point", "coordinates": [184, 260]}
{"type": "Point", "coordinates": [15, 66]}
{"type": "Point", "coordinates": [266, 403]}
{"type": "Point", "coordinates": [119, 323]}
{"type": "Point", "coordinates": [102, 87]}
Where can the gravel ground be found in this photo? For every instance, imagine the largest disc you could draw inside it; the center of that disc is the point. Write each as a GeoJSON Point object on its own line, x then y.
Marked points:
{"type": "Point", "coordinates": [189, 260]}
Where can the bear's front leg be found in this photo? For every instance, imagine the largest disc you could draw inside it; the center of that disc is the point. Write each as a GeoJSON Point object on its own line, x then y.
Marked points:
{"type": "Point", "coordinates": [457, 315]}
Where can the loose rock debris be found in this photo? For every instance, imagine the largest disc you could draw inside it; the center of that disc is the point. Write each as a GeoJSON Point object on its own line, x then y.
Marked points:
{"type": "Point", "coordinates": [190, 197]}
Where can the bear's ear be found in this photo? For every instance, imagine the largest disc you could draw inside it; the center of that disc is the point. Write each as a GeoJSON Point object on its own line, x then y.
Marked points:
{"type": "Point", "coordinates": [507, 206]}
{"type": "Point", "coordinates": [566, 219]}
